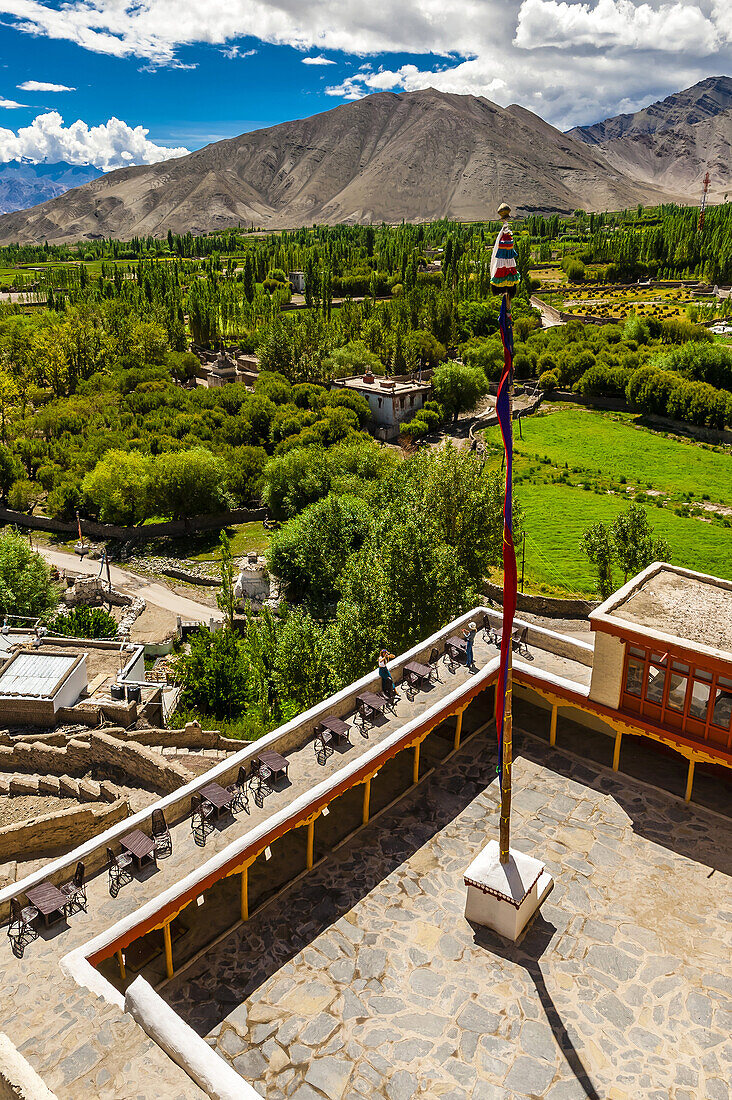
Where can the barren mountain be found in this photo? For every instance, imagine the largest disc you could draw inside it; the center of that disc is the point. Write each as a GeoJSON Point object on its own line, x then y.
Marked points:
{"type": "Point", "coordinates": [418, 156]}
{"type": "Point", "coordinates": [24, 184]}
{"type": "Point", "coordinates": [696, 104]}
{"type": "Point", "coordinates": [672, 143]}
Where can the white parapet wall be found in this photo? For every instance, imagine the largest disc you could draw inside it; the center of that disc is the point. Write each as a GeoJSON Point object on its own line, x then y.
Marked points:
{"type": "Point", "coordinates": [181, 1043]}
{"type": "Point", "coordinates": [18, 1079]}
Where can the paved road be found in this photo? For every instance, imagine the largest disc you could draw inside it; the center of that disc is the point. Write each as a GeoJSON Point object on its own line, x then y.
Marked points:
{"type": "Point", "coordinates": [156, 594]}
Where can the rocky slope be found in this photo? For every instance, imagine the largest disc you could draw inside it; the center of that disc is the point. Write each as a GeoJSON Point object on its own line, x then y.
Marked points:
{"type": "Point", "coordinates": [418, 156]}
{"type": "Point", "coordinates": [672, 143]}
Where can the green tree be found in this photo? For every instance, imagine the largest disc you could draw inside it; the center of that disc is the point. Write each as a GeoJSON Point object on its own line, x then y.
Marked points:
{"type": "Point", "coordinates": [26, 587]}
{"type": "Point", "coordinates": [225, 598]}
{"type": "Point", "coordinates": [119, 486]}
{"type": "Point", "coordinates": [634, 544]}
{"type": "Point", "coordinates": [458, 387]}
{"type": "Point", "coordinates": [310, 551]}
{"type": "Point", "coordinates": [597, 545]}
{"type": "Point", "coordinates": [214, 674]}
{"type": "Point", "coordinates": [301, 666]}
{"type": "Point", "coordinates": [244, 469]}
{"type": "Point", "coordinates": [186, 483]}
{"type": "Point", "coordinates": [10, 471]}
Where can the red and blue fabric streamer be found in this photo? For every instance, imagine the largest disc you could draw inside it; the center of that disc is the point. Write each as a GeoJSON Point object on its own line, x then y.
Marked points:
{"type": "Point", "coordinates": [510, 574]}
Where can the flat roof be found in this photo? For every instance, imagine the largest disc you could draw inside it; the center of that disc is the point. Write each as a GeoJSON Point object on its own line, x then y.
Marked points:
{"type": "Point", "coordinates": [35, 675]}
{"type": "Point", "coordinates": [394, 387]}
{"type": "Point", "coordinates": [693, 608]}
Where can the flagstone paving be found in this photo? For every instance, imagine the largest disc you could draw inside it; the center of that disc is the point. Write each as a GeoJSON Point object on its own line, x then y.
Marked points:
{"type": "Point", "coordinates": [364, 980]}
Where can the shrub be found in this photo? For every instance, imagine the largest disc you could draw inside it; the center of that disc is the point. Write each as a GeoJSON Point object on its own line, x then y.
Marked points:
{"type": "Point", "coordinates": [548, 381]}
{"type": "Point", "coordinates": [85, 622]}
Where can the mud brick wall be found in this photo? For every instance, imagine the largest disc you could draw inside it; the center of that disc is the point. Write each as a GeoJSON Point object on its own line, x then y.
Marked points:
{"type": "Point", "coordinates": [58, 832]}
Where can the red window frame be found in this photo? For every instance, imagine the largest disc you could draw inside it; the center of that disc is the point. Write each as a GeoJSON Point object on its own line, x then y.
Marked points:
{"type": "Point", "coordinates": [659, 711]}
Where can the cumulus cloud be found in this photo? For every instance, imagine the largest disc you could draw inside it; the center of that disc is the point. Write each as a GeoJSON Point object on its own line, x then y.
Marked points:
{"type": "Point", "coordinates": [570, 60]}
{"type": "Point", "coordinates": [621, 23]}
{"type": "Point", "coordinates": [113, 144]}
{"type": "Point", "coordinates": [43, 86]}
{"type": "Point", "coordinates": [319, 60]}
{"type": "Point", "coordinates": [10, 104]}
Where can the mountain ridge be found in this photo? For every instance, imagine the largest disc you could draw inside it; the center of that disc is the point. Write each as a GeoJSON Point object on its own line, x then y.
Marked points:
{"type": "Point", "coordinates": [24, 184]}
{"type": "Point", "coordinates": [387, 157]}
{"type": "Point", "coordinates": [672, 143]}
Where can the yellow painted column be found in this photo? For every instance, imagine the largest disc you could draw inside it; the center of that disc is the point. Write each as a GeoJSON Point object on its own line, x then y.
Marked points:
{"type": "Point", "coordinates": [168, 950]}
{"type": "Point", "coordinates": [366, 801]}
{"type": "Point", "coordinates": [553, 726]}
{"type": "Point", "coordinates": [245, 894]}
{"type": "Point", "coordinates": [415, 769]}
{"type": "Point", "coordinates": [616, 753]}
{"type": "Point", "coordinates": [689, 780]}
{"type": "Point", "coordinates": [121, 962]}
{"type": "Point", "coordinates": [458, 729]}
{"type": "Point", "coordinates": [311, 844]}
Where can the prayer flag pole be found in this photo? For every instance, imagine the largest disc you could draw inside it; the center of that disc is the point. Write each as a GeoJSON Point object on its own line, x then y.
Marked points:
{"type": "Point", "coordinates": [505, 887]}
{"type": "Point", "coordinates": [504, 281]}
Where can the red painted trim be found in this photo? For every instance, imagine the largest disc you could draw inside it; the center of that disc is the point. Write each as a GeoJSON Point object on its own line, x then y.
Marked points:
{"type": "Point", "coordinates": [675, 648]}
{"type": "Point", "coordinates": [584, 703]}
{"type": "Point", "coordinates": [353, 780]}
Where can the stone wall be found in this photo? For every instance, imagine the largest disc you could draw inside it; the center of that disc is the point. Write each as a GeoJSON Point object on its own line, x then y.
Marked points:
{"type": "Point", "coordinates": [58, 832]}
{"type": "Point", "coordinates": [134, 534]}
{"type": "Point", "coordinates": [60, 786]}
{"type": "Point", "coordinates": [129, 762]}
{"type": "Point", "coordinates": [551, 606]}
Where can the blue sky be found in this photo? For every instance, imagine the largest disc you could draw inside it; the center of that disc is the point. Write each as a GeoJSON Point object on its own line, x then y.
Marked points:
{"type": "Point", "coordinates": [194, 71]}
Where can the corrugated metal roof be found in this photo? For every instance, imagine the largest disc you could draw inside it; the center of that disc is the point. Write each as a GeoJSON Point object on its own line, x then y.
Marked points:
{"type": "Point", "coordinates": [35, 674]}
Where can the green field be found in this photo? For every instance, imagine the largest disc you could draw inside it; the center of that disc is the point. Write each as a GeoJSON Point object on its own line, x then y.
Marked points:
{"type": "Point", "coordinates": [608, 455]}
{"type": "Point", "coordinates": [607, 445]}
{"type": "Point", "coordinates": [555, 517]}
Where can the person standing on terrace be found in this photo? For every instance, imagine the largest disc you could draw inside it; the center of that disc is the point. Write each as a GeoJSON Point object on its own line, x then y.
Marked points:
{"type": "Point", "coordinates": [387, 684]}
{"type": "Point", "coordinates": [469, 635]}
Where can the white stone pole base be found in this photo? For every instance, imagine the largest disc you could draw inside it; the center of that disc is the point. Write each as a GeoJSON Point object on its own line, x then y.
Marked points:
{"type": "Point", "coordinates": [505, 897]}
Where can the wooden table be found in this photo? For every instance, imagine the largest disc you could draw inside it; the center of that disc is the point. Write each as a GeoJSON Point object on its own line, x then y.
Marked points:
{"type": "Point", "coordinates": [140, 846]}
{"type": "Point", "coordinates": [218, 797]}
{"type": "Point", "coordinates": [276, 764]}
{"type": "Point", "coordinates": [370, 703]}
{"type": "Point", "coordinates": [415, 672]}
{"type": "Point", "coordinates": [459, 647]}
{"type": "Point", "coordinates": [331, 727]}
{"type": "Point", "coordinates": [48, 900]}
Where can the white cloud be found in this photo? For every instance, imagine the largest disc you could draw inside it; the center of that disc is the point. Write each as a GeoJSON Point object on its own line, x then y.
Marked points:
{"type": "Point", "coordinates": [233, 52]}
{"type": "Point", "coordinates": [320, 60]}
{"type": "Point", "coordinates": [43, 86]}
{"type": "Point", "coordinates": [113, 144]}
{"type": "Point", "coordinates": [10, 104]}
{"type": "Point", "coordinates": [611, 23]}
{"type": "Point", "coordinates": [569, 60]}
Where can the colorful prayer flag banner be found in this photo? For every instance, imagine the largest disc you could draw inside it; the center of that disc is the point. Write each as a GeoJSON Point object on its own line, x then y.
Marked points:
{"type": "Point", "coordinates": [504, 269]}
{"type": "Point", "coordinates": [510, 575]}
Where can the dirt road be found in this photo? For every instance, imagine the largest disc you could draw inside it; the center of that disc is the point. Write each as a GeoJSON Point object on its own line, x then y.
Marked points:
{"type": "Point", "coordinates": [156, 594]}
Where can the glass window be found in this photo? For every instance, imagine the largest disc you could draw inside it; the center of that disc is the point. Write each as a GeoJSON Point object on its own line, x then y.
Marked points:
{"type": "Point", "coordinates": [638, 652]}
{"type": "Point", "coordinates": [722, 712]}
{"type": "Point", "coordinates": [677, 690]}
{"type": "Point", "coordinates": [634, 679]}
{"type": "Point", "coordinates": [699, 700]}
{"type": "Point", "coordinates": [656, 680]}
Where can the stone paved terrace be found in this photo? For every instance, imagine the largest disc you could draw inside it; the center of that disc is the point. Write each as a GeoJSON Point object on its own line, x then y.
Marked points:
{"type": "Point", "coordinates": [82, 1046]}
{"type": "Point", "coordinates": [620, 989]}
